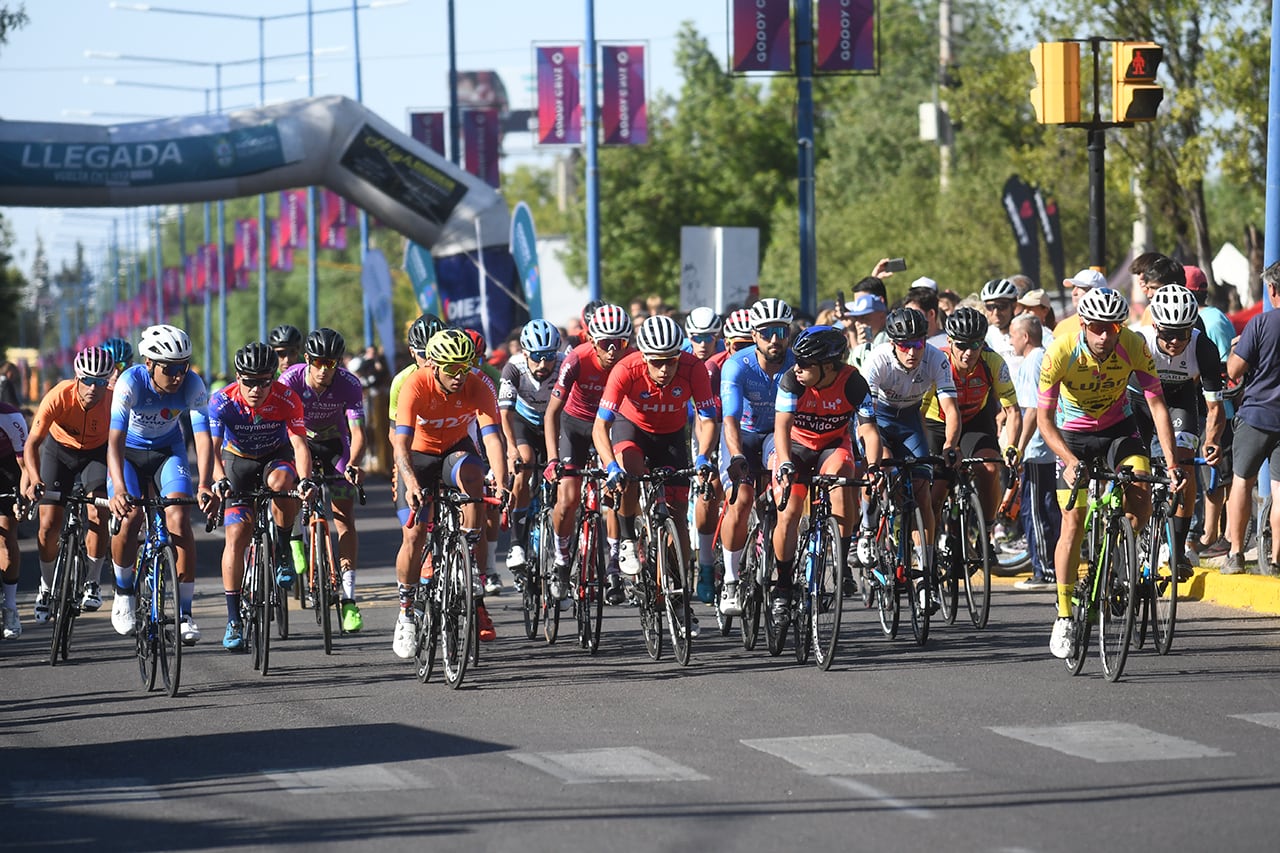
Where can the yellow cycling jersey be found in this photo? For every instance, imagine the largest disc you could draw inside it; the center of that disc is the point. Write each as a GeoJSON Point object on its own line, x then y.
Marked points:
{"type": "Point", "coordinates": [973, 391]}
{"type": "Point", "coordinates": [1092, 393]}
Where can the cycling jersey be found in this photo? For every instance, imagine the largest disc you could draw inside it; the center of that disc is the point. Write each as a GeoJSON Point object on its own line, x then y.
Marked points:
{"type": "Point", "coordinates": [397, 383]}
{"type": "Point", "coordinates": [581, 381]}
{"type": "Point", "coordinates": [895, 388]}
{"type": "Point", "coordinates": [1092, 393]}
{"type": "Point", "coordinates": [251, 432]}
{"type": "Point", "coordinates": [821, 416]}
{"type": "Point", "coordinates": [438, 421]}
{"type": "Point", "coordinates": [654, 408]}
{"type": "Point", "coordinates": [748, 392]}
{"type": "Point", "coordinates": [327, 411]}
{"type": "Point", "coordinates": [973, 391]}
{"type": "Point", "coordinates": [69, 423]}
{"type": "Point", "coordinates": [1197, 363]}
{"type": "Point", "coordinates": [13, 432]}
{"type": "Point", "coordinates": [150, 418]}
{"type": "Point", "coordinates": [523, 392]}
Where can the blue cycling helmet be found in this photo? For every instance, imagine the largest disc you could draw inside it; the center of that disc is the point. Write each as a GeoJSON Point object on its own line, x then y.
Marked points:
{"type": "Point", "coordinates": [539, 336]}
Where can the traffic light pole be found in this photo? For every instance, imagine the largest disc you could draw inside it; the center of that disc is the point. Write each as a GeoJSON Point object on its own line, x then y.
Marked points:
{"type": "Point", "coordinates": [1098, 198]}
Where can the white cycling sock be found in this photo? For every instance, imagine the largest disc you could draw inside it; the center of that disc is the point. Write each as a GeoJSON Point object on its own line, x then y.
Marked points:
{"type": "Point", "coordinates": [349, 585]}
{"type": "Point", "coordinates": [124, 576]}
{"type": "Point", "coordinates": [732, 559]}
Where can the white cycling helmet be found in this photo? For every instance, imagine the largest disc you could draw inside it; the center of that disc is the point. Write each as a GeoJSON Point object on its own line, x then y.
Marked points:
{"type": "Point", "coordinates": [999, 288]}
{"type": "Point", "coordinates": [1174, 307]}
{"type": "Point", "coordinates": [164, 343]}
{"type": "Point", "coordinates": [770, 312]}
{"type": "Point", "coordinates": [659, 336]}
{"type": "Point", "coordinates": [609, 321]}
{"type": "Point", "coordinates": [738, 326]}
{"type": "Point", "coordinates": [703, 321]}
{"type": "Point", "coordinates": [1103, 305]}
{"type": "Point", "coordinates": [95, 363]}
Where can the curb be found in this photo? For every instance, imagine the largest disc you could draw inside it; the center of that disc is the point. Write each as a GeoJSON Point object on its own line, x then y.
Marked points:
{"type": "Point", "coordinates": [1258, 593]}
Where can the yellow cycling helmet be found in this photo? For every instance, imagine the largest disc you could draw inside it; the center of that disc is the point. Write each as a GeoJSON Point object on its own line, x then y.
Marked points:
{"type": "Point", "coordinates": [451, 346]}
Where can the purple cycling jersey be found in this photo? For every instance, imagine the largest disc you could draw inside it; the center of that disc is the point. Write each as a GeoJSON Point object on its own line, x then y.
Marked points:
{"type": "Point", "coordinates": [327, 412]}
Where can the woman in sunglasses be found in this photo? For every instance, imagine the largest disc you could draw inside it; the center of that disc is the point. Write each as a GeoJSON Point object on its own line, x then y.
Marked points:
{"type": "Point", "coordinates": [73, 417]}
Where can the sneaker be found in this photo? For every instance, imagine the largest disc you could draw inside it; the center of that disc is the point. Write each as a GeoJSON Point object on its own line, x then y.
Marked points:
{"type": "Point", "coordinates": [122, 616]}
{"type": "Point", "coordinates": [1234, 565]}
{"type": "Point", "coordinates": [560, 582]}
{"type": "Point", "coordinates": [928, 603]}
{"type": "Point", "coordinates": [405, 641]}
{"type": "Point", "coordinates": [487, 633]}
{"type": "Point", "coordinates": [1186, 569]}
{"type": "Point", "coordinates": [284, 576]}
{"type": "Point", "coordinates": [352, 621]}
{"type": "Point", "coordinates": [706, 584]}
{"type": "Point", "coordinates": [628, 562]}
{"type": "Point", "coordinates": [849, 585]}
{"type": "Point", "coordinates": [1035, 584]}
{"type": "Point", "coordinates": [1060, 641]}
{"type": "Point", "coordinates": [865, 550]}
{"type": "Point", "coordinates": [614, 594]}
{"type": "Point", "coordinates": [12, 624]}
{"type": "Point", "coordinates": [729, 605]}
{"type": "Point", "coordinates": [1217, 549]}
{"type": "Point", "coordinates": [190, 631]}
{"type": "Point", "coordinates": [515, 556]}
{"type": "Point", "coordinates": [43, 597]}
{"type": "Point", "coordinates": [92, 598]}
{"type": "Point", "coordinates": [233, 640]}
{"type": "Point", "coordinates": [493, 584]}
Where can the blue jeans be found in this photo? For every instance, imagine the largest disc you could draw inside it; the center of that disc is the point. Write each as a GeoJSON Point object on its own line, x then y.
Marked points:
{"type": "Point", "coordinates": [1041, 518]}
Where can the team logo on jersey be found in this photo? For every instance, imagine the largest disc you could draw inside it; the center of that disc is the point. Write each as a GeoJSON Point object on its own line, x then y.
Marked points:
{"type": "Point", "coordinates": [676, 391]}
{"type": "Point", "coordinates": [645, 395]}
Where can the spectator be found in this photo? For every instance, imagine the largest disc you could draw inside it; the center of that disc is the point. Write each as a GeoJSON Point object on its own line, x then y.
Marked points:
{"type": "Point", "coordinates": [948, 301]}
{"type": "Point", "coordinates": [1024, 283]}
{"type": "Point", "coordinates": [10, 385]}
{"type": "Point", "coordinates": [1041, 518]}
{"type": "Point", "coordinates": [864, 325]}
{"type": "Point", "coordinates": [925, 300]}
{"type": "Point", "coordinates": [873, 285]}
{"type": "Point", "coordinates": [1219, 330]}
{"type": "Point", "coordinates": [1036, 303]}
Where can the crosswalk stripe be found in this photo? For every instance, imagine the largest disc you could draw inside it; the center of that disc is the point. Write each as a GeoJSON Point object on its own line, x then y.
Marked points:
{"type": "Point", "coordinates": [342, 780]}
{"type": "Point", "coordinates": [1271, 719]}
{"type": "Point", "coordinates": [57, 793]}
{"type": "Point", "coordinates": [1109, 742]}
{"type": "Point", "coordinates": [609, 764]}
{"type": "Point", "coordinates": [850, 755]}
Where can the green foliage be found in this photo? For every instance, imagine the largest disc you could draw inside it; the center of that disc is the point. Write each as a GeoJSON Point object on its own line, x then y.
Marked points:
{"type": "Point", "coordinates": [12, 291]}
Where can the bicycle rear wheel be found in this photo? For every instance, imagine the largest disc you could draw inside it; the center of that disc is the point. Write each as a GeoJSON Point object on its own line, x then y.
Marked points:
{"type": "Point", "coordinates": [428, 637]}
{"type": "Point", "coordinates": [675, 590]}
{"type": "Point", "coordinates": [647, 593]}
{"type": "Point", "coordinates": [975, 563]}
{"type": "Point", "coordinates": [884, 578]}
{"type": "Point", "coordinates": [1116, 597]}
{"type": "Point", "coordinates": [750, 595]}
{"type": "Point", "coordinates": [457, 610]}
{"type": "Point", "coordinates": [1161, 588]}
{"type": "Point", "coordinates": [588, 596]}
{"type": "Point", "coordinates": [531, 586]}
{"type": "Point", "coordinates": [826, 598]}
{"type": "Point", "coordinates": [62, 602]}
{"type": "Point", "coordinates": [949, 561]}
{"type": "Point", "coordinates": [168, 620]}
{"type": "Point", "coordinates": [322, 570]}
{"type": "Point", "coordinates": [546, 568]}
{"type": "Point", "coordinates": [919, 585]}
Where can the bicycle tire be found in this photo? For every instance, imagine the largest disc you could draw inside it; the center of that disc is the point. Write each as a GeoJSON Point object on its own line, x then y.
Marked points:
{"type": "Point", "coordinates": [457, 610]}
{"type": "Point", "coordinates": [949, 562]}
{"type": "Point", "coordinates": [250, 593]}
{"type": "Point", "coordinates": [918, 579]}
{"type": "Point", "coordinates": [885, 578]}
{"type": "Point", "coordinates": [1080, 629]}
{"type": "Point", "coordinates": [81, 575]}
{"type": "Point", "coordinates": [169, 621]}
{"type": "Point", "coordinates": [428, 630]}
{"type": "Point", "coordinates": [1264, 538]}
{"type": "Point", "coordinates": [589, 594]}
{"type": "Point", "coordinates": [1116, 598]}
{"type": "Point", "coordinates": [675, 591]}
{"type": "Point", "coordinates": [531, 584]}
{"type": "Point", "coordinates": [975, 563]}
{"type": "Point", "coordinates": [277, 596]}
{"type": "Point", "coordinates": [60, 601]}
{"type": "Point", "coordinates": [321, 555]}
{"type": "Point", "coordinates": [266, 582]}
{"type": "Point", "coordinates": [1161, 588]}
{"type": "Point", "coordinates": [749, 594]}
{"type": "Point", "coordinates": [647, 594]}
{"type": "Point", "coordinates": [142, 626]}
{"type": "Point", "coordinates": [723, 622]}
{"type": "Point", "coordinates": [546, 567]}
{"type": "Point", "coordinates": [799, 625]}
{"type": "Point", "coordinates": [826, 597]}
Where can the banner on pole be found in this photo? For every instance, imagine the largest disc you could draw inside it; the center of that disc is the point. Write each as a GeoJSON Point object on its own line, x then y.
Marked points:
{"type": "Point", "coordinates": [245, 255]}
{"type": "Point", "coordinates": [524, 251]}
{"type": "Point", "coordinates": [421, 269]}
{"type": "Point", "coordinates": [293, 218]}
{"type": "Point", "coordinates": [623, 112]}
{"type": "Point", "coordinates": [375, 276]}
{"type": "Point", "coordinates": [1051, 228]}
{"type": "Point", "coordinates": [480, 143]}
{"type": "Point", "coordinates": [559, 97]}
{"type": "Point", "coordinates": [846, 35]}
{"type": "Point", "coordinates": [761, 35]}
{"type": "Point", "coordinates": [1019, 205]}
{"type": "Point", "coordinates": [332, 221]}
{"type": "Point", "coordinates": [428, 128]}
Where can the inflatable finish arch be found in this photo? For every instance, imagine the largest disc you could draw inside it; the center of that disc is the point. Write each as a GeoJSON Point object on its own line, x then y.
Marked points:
{"type": "Point", "coordinates": [331, 141]}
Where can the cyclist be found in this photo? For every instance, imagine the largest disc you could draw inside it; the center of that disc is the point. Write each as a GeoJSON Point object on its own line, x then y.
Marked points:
{"type": "Point", "coordinates": [1085, 417]}
{"type": "Point", "coordinates": [419, 333]}
{"type": "Point", "coordinates": [121, 352]}
{"type": "Point", "coordinates": [819, 400]}
{"type": "Point", "coordinates": [286, 343]}
{"type": "Point", "coordinates": [703, 327]}
{"type": "Point", "coordinates": [145, 444]}
{"type": "Point", "coordinates": [437, 406]}
{"type": "Point", "coordinates": [259, 440]}
{"type": "Point", "coordinates": [640, 424]}
{"type": "Point", "coordinates": [983, 389]}
{"type": "Point", "coordinates": [333, 412]}
{"type": "Point", "coordinates": [748, 390]}
{"type": "Point", "coordinates": [527, 380]}
{"type": "Point", "coordinates": [999, 297]}
{"type": "Point", "coordinates": [737, 333]}
{"type": "Point", "coordinates": [74, 417]}
{"type": "Point", "coordinates": [576, 394]}
{"type": "Point", "coordinates": [13, 437]}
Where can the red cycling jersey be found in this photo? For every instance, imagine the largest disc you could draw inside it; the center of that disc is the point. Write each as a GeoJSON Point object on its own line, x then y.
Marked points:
{"type": "Point", "coordinates": [821, 416]}
{"type": "Point", "coordinates": [654, 408]}
{"type": "Point", "coordinates": [581, 381]}
{"type": "Point", "coordinates": [255, 433]}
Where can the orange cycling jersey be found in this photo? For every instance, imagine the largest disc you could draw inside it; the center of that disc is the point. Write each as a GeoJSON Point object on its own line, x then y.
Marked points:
{"type": "Point", "coordinates": [439, 421]}
{"type": "Point", "coordinates": [70, 424]}
{"type": "Point", "coordinates": [973, 391]}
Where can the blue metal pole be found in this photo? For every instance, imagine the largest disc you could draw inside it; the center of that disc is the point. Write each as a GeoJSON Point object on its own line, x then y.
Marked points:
{"type": "Point", "coordinates": [804, 154]}
{"type": "Point", "coordinates": [262, 198]}
{"type": "Point", "coordinates": [313, 284]}
{"type": "Point", "coordinates": [593, 160]}
{"type": "Point", "coordinates": [208, 309]}
{"type": "Point", "coordinates": [182, 269]}
{"type": "Point", "coordinates": [455, 120]}
{"type": "Point", "coordinates": [157, 264]}
{"type": "Point", "coordinates": [1271, 238]}
{"type": "Point", "coordinates": [364, 217]}
{"type": "Point", "coordinates": [219, 245]}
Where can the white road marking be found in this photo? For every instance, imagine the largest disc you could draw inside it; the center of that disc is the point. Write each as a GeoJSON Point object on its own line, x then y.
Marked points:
{"type": "Point", "coordinates": [865, 790]}
{"type": "Point", "coordinates": [850, 755]}
{"type": "Point", "coordinates": [610, 764]}
{"type": "Point", "coordinates": [1270, 719]}
{"type": "Point", "coordinates": [1109, 742]}
{"type": "Point", "coordinates": [342, 780]}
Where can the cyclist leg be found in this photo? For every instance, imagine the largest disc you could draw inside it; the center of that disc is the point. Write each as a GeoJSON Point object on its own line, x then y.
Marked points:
{"type": "Point", "coordinates": [786, 533]}
{"type": "Point", "coordinates": [10, 567]}
{"type": "Point", "coordinates": [137, 466]}
{"type": "Point", "coordinates": [426, 470]}
{"type": "Point", "coordinates": [465, 469]}
{"type": "Point", "coordinates": [521, 494]}
{"type": "Point", "coordinates": [173, 480]}
{"type": "Point", "coordinates": [280, 475]}
{"type": "Point", "coordinates": [94, 478]}
{"type": "Point", "coordinates": [574, 448]}
{"type": "Point", "coordinates": [58, 475]}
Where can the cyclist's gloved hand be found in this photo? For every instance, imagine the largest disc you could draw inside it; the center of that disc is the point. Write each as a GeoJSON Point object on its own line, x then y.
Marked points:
{"type": "Point", "coordinates": [785, 473]}
{"type": "Point", "coordinates": [951, 457]}
{"type": "Point", "coordinates": [1011, 456]}
{"type": "Point", "coordinates": [614, 475]}
{"type": "Point", "coordinates": [552, 472]}
{"type": "Point", "coordinates": [738, 468]}
{"type": "Point", "coordinates": [1176, 476]}
{"type": "Point", "coordinates": [222, 488]}
{"type": "Point", "coordinates": [703, 466]}
{"type": "Point", "coordinates": [353, 474]}
{"type": "Point", "coordinates": [307, 487]}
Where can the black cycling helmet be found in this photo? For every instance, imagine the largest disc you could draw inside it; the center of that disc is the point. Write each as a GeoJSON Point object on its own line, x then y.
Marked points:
{"type": "Point", "coordinates": [906, 324]}
{"type": "Point", "coordinates": [255, 359]}
{"type": "Point", "coordinates": [967, 325]}
{"type": "Point", "coordinates": [820, 344]}
{"type": "Point", "coordinates": [285, 337]}
{"type": "Point", "coordinates": [423, 329]}
{"type": "Point", "coordinates": [325, 343]}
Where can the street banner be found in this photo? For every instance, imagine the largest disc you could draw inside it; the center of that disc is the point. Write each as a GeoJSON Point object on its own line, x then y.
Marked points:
{"type": "Point", "coordinates": [524, 251]}
{"type": "Point", "coordinates": [761, 35]}
{"type": "Point", "coordinates": [375, 276]}
{"type": "Point", "coordinates": [1051, 227]}
{"type": "Point", "coordinates": [559, 99]}
{"type": "Point", "coordinates": [332, 220]}
{"type": "Point", "coordinates": [846, 35]}
{"type": "Point", "coordinates": [293, 218]}
{"type": "Point", "coordinates": [245, 255]}
{"type": "Point", "coordinates": [428, 128]}
{"type": "Point", "coordinates": [421, 269]}
{"type": "Point", "coordinates": [281, 256]}
{"type": "Point", "coordinates": [623, 112]}
{"type": "Point", "coordinates": [481, 139]}
{"type": "Point", "coordinates": [1019, 205]}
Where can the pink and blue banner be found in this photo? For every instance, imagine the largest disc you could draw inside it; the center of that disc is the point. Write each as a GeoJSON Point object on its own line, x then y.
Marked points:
{"type": "Point", "coordinates": [559, 95]}
{"type": "Point", "coordinates": [761, 35]}
{"type": "Point", "coordinates": [293, 218]}
{"type": "Point", "coordinates": [846, 35]}
{"type": "Point", "coordinates": [623, 112]}
{"type": "Point", "coordinates": [245, 256]}
{"type": "Point", "coordinates": [428, 128]}
{"type": "Point", "coordinates": [332, 220]}
{"type": "Point", "coordinates": [481, 140]}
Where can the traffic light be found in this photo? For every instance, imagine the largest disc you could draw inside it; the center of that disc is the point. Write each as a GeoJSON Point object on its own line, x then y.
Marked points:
{"type": "Point", "coordinates": [1056, 96]}
{"type": "Point", "coordinates": [1134, 93]}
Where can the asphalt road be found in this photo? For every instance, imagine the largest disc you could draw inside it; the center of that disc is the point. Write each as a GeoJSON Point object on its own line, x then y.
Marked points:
{"type": "Point", "coordinates": [980, 741]}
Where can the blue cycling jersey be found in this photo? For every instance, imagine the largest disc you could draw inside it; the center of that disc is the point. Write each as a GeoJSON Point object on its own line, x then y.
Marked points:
{"type": "Point", "coordinates": [748, 393]}
{"type": "Point", "coordinates": [149, 418]}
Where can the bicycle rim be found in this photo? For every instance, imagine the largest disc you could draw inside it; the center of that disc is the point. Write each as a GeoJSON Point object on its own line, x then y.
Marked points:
{"type": "Point", "coordinates": [826, 597]}
{"type": "Point", "coordinates": [918, 582]}
{"type": "Point", "coordinates": [1080, 629]}
{"type": "Point", "coordinates": [546, 568]}
{"type": "Point", "coordinates": [1116, 597]}
{"type": "Point", "coordinates": [888, 604]}
{"type": "Point", "coordinates": [169, 620]}
{"type": "Point", "coordinates": [457, 611]}
{"type": "Point", "coordinates": [322, 589]}
{"type": "Point", "coordinates": [1162, 592]}
{"type": "Point", "coordinates": [143, 627]}
{"type": "Point", "coordinates": [949, 564]}
{"type": "Point", "coordinates": [675, 589]}
{"type": "Point", "coordinates": [79, 577]}
{"type": "Point", "coordinates": [428, 637]}
{"type": "Point", "coordinates": [250, 592]}
{"type": "Point", "coordinates": [976, 563]}
{"type": "Point", "coordinates": [266, 580]}
{"type": "Point", "coordinates": [60, 603]}
{"type": "Point", "coordinates": [749, 595]}
{"type": "Point", "coordinates": [591, 586]}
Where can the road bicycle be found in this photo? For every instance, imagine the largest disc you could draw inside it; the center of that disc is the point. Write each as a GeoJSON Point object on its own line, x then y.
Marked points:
{"type": "Point", "coordinates": [590, 563]}
{"type": "Point", "coordinates": [70, 568]}
{"type": "Point", "coordinates": [964, 554]}
{"type": "Point", "coordinates": [757, 566]}
{"type": "Point", "coordinates": [662, 584]}
{"type": "Point", "coordinates": [1158, 576]}
{"type": "Point", "coordinates": [323, 573]}
{"type": "Point", "coordinates": [261, 598]}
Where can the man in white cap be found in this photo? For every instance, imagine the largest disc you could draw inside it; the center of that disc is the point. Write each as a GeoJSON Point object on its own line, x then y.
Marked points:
{"type": "Point", "coordinates": [925, 281]}
{"type": "Point", "coordinates": [1080, 284]}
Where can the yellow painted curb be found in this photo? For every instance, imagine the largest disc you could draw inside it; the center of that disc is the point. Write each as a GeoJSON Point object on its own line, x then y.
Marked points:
{"type": "Point", "coordinates": [1258, 593]}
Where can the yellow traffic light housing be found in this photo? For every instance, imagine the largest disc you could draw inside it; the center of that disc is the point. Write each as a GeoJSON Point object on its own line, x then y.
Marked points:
{"type": "Point", "coordinates": [1056, 96]}
{"type": "Point", "coordinates": [1135, 95]}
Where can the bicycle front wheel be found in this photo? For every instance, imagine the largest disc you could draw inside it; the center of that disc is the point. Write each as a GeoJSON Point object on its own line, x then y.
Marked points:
{"type": "Point", "coordinates": [884, 578]}
{"type": "Point", "coordinates": [920, 587]}
{"type": "Point", "coordinates": [949, 562]}
{"type": "Point", "coordinates": [588, 597]}
{"type": "Point", "coordinates": [647, 592]}
{"type": "Point", "coordinates": [675, 589]}
{"type": "Point", "coordinates": [975, 565]}
{"type": "Point", "coordinates": [168, 619]}
{"type": "Point", "coordinates": [1116, 597]}
{"type": "Point", "coordinates": [457, 610]}
{"type": "Point", "coordinates": [547, 568]}
{"type": "Point", "coordinates": [144, 625]}
{"type": "Point", "coordinates": [1161, 588]}
{"type": "Point", "coordinates": [750, 595]}
{"type": "Point", "coordinates": [62, 603]}
{"type": "Point", "coordinates": [826, 596]}
{"type": "Point", "coordinates": [322, 588]}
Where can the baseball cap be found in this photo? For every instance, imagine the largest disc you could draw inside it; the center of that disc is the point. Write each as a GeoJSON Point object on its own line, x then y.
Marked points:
{"type": "Point", "coordinates": [925, 281]}
{"type": "Point", "coordinates": [866, 303]}
{"type": "Point", "coordinates": [1196, 279]}
{"type": "Point", "coordinates": [1086, 278]}
{"type": "Point", "coordinates": [1032, 298]}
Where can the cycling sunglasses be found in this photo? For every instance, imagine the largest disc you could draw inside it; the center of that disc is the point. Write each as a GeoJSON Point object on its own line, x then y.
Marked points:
{"type": "Point", "coordinates": [966, 345]}
{"type": "Point", "coordinates": [455, 370]}
{"type": "Point", "coordinates": [93, 381]}
{"type": "Point", "coordinates": [255, 381]}
{"type": "Point", "coordinates": [998, 305]}
{"type": "Point", "coordinates": [1173, 335]}
{"type": "Point", "coordinates": [611, 344]}
{"type": "Point", "coordinates": [702, 338]}
{"type": "Point", "coordinates": [543, 355]}
{"type": "Point", "coordinates": [283, 353]}
{"type": "Point", "coordinates": [174, 369]}
{"type": "Point", "coordinates": [1100, 328]}
{"type": "Point", "coordinates": [771, 332]}
{"type": "Point", "coordinates": [663, 361]}
{"type": "Point", "coordinates": [324, 363]}
{"type": "Point", "coordinates": [908, 346]}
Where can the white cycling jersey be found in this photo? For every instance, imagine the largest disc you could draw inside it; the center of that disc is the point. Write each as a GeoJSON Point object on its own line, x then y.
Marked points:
{"type": "Point", "coordinates": [895, 387]}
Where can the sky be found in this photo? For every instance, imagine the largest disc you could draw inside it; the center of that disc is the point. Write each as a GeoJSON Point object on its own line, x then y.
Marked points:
{"type": "Point", "coordinates": [46, 75]}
